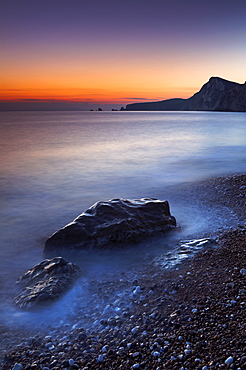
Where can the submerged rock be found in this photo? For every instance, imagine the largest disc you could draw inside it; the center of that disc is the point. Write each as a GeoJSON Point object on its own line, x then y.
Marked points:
{"type": "Point", "coordinates": [117, 221]}
{"type": "Point", "coordinates": [45, 282]}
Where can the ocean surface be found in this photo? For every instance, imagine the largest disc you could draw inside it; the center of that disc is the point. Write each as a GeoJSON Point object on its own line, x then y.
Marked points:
{"type": "Point", "coordinates": [54, 165]}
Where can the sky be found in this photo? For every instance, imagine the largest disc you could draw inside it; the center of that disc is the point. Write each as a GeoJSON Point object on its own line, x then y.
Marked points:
{"type": "Point", "coordinates": [83, 54]}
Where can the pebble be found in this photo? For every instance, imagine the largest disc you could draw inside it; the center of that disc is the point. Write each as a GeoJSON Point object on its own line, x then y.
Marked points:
{"type": "Point", "coordinates": [17, 367]}
{"type": "Point", "coordinates": [50, 346]}
{"type": "Point", "coordinates": [136, 290]}
{"type": "Point", "coordinates": [243, 271]}
{"type": "Point", "coordinates": [100, 358]}
{"type": "Point", "coordinates": [105, 349]}
{"type": "Point", "coordinates": [229, 360]}
{"type": "Point", "coordinates": [135, 366]}
{"type": "Point", "coordinates": [71, 362]}
{"type": "Point", "coordinates": [134, 330]}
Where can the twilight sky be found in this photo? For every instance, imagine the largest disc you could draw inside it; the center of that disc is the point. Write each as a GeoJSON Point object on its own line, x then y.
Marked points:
{"type": "Point", "coordinates": [81, 54]}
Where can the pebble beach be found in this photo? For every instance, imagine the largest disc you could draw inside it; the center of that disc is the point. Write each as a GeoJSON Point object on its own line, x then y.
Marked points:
{"type": "Point", "coordinates": [190, 317]}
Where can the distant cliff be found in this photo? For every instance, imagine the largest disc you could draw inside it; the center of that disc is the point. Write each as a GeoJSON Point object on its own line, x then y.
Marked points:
{"type": "Point", "coordinates": [216, 95]}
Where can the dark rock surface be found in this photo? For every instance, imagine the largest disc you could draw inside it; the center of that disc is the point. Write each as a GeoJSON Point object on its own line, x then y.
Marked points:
{"type": "Point", "coordinates": [114, 222]}
{"type": "Point", "coordinates": [45, 282]}
{"type": "Point", "coordinates": [166, 105]}
{"type": "Point", "coordinates": [217, 94]}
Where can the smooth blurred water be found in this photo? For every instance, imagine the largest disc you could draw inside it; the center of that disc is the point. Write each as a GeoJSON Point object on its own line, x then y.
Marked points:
{"type": "Point", "coordinates": [54, 165]}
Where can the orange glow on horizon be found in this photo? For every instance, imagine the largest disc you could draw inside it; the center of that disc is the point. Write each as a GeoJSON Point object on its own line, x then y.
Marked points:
{"type": "Point", "coordinates": [95, 80]}
{"type": "Point", "coordinates": [85, 95]}
{"type": "Point", "coordinates": [91, 95]}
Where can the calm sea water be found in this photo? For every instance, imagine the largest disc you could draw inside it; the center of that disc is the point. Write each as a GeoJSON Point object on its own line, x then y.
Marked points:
{"type": "Point", "coordinates": [56, 164]}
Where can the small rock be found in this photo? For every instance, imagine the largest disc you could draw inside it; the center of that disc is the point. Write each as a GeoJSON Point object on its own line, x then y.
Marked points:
{"type": "Point", "coordinates": [17, 367]}
{"type": "Point", "coordinates": [100, 358]}
{"type": "Point", "coordinates": [243, 359]}
{"type": "Point", "coordinates": [136, 290]}
{"type": "Point", "coordinates": [134, 330]}
{"type": "Point", "coordinates": [45, 282]}
{"type": "Point", "coordinates": [105, 349]}
{"type": "Point", "coordinates": [229, 360]}
{"type": "Point", "coordinates": [71, 362]}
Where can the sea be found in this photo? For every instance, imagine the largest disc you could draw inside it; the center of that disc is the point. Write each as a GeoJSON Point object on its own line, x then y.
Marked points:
{"type": "Point", "coordinates": [54, 165]}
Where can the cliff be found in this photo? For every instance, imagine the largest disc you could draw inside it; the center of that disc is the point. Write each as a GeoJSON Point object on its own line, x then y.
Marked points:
{"type": "Point", "coordinates": [217, 94]}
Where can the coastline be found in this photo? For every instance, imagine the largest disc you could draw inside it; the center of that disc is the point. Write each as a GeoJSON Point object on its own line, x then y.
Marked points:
{"type": "Point", "coordinates": [189, 318]}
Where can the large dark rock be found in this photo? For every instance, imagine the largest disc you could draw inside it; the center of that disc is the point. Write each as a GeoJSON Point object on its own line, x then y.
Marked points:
{"type": "Point", "coordinates": [118, 221]}
{"type": "Point", "coordinates": [46, 282]}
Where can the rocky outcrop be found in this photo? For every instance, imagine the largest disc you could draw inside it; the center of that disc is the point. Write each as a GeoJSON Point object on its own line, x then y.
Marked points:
{"type": "Point", "coordinates": [46, 282]}
{"type": "Point", "coordinates": [165, 105]}
{"type": "Point", "coordinates": [233, 100]}
{"type": "Point", "coordinates": [111, 223]}
{"type": "Point", "coordinates": [217, 94]}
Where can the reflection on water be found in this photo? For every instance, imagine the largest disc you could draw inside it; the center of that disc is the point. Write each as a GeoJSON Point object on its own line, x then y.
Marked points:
{"type": "Point", "coordinates": [54, 165]}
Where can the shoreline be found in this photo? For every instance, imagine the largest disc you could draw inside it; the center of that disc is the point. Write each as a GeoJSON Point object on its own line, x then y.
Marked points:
{"type": "Point", "coordinates": [189, 318]}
